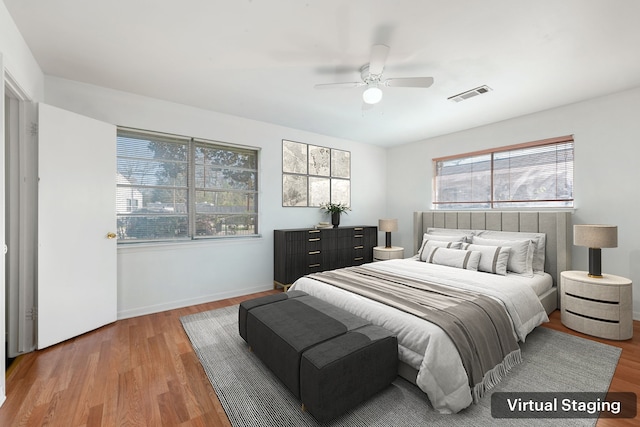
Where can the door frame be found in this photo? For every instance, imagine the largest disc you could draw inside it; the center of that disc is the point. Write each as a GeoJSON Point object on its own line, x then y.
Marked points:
{"type": "Point", "coordinates": [21, 235]}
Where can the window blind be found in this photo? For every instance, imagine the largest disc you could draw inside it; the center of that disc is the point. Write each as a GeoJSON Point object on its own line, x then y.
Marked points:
{"type": "Point", "coordinates": [179, 188]}
{"type": "Point", "coordinates": [535, 174]}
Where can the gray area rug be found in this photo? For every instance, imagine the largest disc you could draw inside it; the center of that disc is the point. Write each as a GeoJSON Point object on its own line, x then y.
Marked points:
{"type": "Point", "coordinates": [252, 396]}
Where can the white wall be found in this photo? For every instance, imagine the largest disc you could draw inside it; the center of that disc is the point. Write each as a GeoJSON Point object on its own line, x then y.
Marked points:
{"type": "Point", "coordinates": [158, 277]}
{"type": "Point", "coordinates": [606, 176]}
{"type": "Point", "coordinates": [19, 63]}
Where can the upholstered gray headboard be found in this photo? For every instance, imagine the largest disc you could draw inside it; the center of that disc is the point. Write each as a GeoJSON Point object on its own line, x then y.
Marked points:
{"type": "Point", "coordinates": [556, 226]}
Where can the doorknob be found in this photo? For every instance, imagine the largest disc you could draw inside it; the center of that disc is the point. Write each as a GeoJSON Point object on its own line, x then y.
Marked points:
{"type": "Point", "coordinates": [111, 235]}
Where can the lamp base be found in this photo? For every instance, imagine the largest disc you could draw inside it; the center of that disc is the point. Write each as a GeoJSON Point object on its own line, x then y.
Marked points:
{"type": "Point", "coordinates": [595, 263]}
{"type": "Point", "coordinates": [387, 243]}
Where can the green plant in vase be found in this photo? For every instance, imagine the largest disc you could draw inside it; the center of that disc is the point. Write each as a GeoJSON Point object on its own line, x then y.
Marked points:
{"type": "Point", "coordinates": [335, 209]}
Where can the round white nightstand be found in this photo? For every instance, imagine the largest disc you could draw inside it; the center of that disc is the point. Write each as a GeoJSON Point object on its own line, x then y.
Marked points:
{"type": "Point", "coordinates": [600, 307]}
{"type": "Point", "coordinates": [381, 253]}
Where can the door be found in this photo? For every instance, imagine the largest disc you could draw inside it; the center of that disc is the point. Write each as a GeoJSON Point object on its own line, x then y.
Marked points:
{"type": "Point", "coordinates": [76, 214]}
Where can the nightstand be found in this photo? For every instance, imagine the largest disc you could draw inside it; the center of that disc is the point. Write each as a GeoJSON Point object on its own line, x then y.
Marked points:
{"type": "Point", "coordinates": [599, 307]}
{"type": "Point", "coordinates": [380, 253]}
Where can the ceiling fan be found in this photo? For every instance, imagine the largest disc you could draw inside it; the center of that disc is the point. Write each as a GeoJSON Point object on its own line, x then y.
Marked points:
{"type": "Point", "coordinates": [371, 75]}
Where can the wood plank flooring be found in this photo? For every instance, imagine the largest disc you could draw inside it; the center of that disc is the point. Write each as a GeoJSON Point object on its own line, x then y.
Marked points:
{"type": "Point", "coordinates": [143, 372]}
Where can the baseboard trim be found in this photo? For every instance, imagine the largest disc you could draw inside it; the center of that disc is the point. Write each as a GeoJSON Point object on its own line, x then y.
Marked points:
{"type": "Point", "coordinates": [157, 308]}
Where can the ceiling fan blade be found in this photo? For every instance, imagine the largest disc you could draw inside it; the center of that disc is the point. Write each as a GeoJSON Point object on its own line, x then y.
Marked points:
{"type": "Point", "coordinates": [409, 82]}
{"type": "Point", "coordinates": [379, 54]}
{"type": "Point", "coordinates": [338, 85]}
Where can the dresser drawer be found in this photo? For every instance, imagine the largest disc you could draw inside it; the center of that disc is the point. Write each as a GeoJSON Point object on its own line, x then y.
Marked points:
{"type": "Point", "coordinates": [314, 240]}
{"type": "Point", "coordinates": [358, 251]}
{"type": "Point", "coordinates": [313, 258]}
{"type": "Point", "coordinates": [592, 309]}
{"type": "Point", "coordinates": [609, 330]}
{"type": "Point", "coordinates": [591, 291]}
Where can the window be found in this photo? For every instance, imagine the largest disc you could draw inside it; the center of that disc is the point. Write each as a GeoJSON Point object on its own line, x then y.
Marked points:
{"type": "Point", "coordinates": [177, 188]}
{"type": "Point", "coordinates": [313, 175]}
{"type": "Point", "coordinates": [132, 204]}
{"type": "Point", "coordinates": [536, 174]}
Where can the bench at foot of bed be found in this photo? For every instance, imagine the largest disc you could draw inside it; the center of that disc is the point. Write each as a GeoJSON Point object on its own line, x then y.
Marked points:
{"type": "Point", "coordinates": [329, 358]}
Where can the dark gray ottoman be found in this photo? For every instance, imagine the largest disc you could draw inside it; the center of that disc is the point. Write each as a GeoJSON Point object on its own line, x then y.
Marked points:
{"type": "Point", "coordinates": [245, 306]}
{"type": "Point", "coordinates": [340, 373]}
{"type": "Point", "coordinates": [281, 331]}
{"type": "Point", "coordinates": [329, 358]}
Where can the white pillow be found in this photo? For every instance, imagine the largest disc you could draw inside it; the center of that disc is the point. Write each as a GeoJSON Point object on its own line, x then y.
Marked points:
{"type": "Point", "coordinates": [520, 255]}
{"type": "Point", "coordinates": [428, 244]}
{"type": "Point", "coordinates": [445, 237]}
{"type": "Point", "coordinates": [493, 259]}
{"type": "Point", "coordinates": [539, 240]}
{"type": "Point", "coordinates": [452, 232]}
{"type": "Point", "coordinates": [454, 258]}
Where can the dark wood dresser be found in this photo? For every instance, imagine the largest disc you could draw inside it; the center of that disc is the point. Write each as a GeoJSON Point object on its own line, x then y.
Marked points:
{"type": "Point", "coordinates": [306, 250]}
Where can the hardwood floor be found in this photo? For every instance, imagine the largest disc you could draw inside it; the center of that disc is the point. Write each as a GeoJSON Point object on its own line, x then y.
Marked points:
{"type": "Point", "coordinates": [143, 372]}
{"type": "Point", "coordinates": [627, 375]}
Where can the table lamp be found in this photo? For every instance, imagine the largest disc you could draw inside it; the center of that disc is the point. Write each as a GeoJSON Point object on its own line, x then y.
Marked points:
{"type": "Point", "coordinates": [595, 237]}
{"type": "Point", "coordinates": [388, 225]}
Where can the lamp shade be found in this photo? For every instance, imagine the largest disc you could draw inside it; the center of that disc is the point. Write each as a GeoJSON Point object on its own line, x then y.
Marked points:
{"type": "Point", "coordinates": [388, 225]}
{"type": "Point", "coordinates": [595, 236]}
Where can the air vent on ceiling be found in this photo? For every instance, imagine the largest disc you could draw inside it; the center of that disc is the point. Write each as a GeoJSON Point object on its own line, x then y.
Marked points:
{"type": "Point", "coordinates": [469, 94]}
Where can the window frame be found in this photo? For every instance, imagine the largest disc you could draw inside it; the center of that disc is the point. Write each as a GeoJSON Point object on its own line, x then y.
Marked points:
{"type": "Point", "coordinates": [492, 202]}
{"type": "Point", "coordinates": [191, 186]}
{"type": "Point", "coordinates": [334, 173]}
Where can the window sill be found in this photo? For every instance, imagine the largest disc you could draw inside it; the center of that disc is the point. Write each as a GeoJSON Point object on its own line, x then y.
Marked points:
{"type": "Point", "coordinates": [130, 247]}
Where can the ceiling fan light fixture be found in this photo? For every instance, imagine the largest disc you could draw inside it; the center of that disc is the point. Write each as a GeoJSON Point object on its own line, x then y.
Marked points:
{"type": "Point", "coordinates": [372, 95]}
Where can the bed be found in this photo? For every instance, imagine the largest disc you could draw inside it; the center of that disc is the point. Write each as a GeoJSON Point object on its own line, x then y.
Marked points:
{"type": "Point", "coordinates": [430, 355]}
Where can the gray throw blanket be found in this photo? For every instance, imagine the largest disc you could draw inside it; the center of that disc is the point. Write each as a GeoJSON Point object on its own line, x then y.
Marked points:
{"type": "Point", "coordinates": [479, 326]}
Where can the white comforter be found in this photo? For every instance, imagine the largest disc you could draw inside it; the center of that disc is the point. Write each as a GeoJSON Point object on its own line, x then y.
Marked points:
{"type": "Point", "coordinates": [423, 345]}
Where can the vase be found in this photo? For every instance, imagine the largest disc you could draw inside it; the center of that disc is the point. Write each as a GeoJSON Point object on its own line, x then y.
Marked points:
{"type": "Point", "coordinates": [335, 219]}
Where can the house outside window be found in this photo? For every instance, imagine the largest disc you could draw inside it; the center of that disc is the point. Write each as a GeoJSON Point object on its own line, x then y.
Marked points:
{"type": "Point", "coordinates": [172, 188]}
{"type": "Point", "coordinates": [132, 205]}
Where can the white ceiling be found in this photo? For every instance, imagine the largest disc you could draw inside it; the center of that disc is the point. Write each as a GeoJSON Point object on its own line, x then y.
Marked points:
{"type": "Point", "coordinates": [261, 58]}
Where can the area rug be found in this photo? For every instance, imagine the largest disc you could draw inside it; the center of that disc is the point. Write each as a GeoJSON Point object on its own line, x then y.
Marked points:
{"type": "Point", "coordinates": [252, 396]}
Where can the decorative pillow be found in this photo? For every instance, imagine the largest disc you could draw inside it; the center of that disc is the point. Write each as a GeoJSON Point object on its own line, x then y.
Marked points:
{"type": "Point", "coordinates": [520, 254]}
{"type": "Point", "coordinates": [493, 259]}
{"type": "Point", "coordinates": [458, 258]}
{"type": "Point", "coordinates": [428, 244]}
{"type": "Point", "coordinates": [539, 240]}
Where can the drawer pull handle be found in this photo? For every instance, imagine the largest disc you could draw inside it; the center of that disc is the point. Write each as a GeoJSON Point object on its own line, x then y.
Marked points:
{"type": "Point", "coordinates": [314, 252]}
{"type": "Point", "coordinates": [358, 247]}
{"type": "Point", "coordinates": [314, 231]}
{"type": "Point", "coordinates": [358, 258]}
{"type": "Point", "coordinates": [357, 236]}
{"type": "Point", "coordinates": [314, 265]}
{"type": "Point", "coordinates": [358, 229]}
{"type": "Point", "coordinates": [315, 239]}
